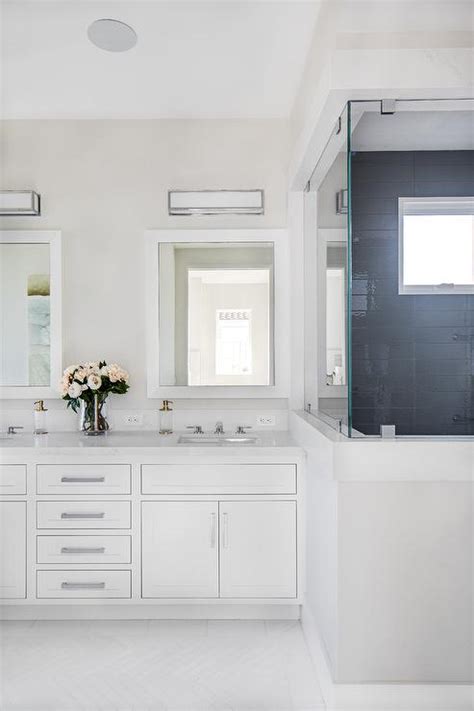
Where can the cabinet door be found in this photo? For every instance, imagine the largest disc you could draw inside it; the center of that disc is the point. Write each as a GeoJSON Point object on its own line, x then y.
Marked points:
{"type": "Point", "coordinates": [12, 549]}
{"type": "Point", "coordinates": [179, 549]}
{"type": "Point", "coordinates": [258, 549]}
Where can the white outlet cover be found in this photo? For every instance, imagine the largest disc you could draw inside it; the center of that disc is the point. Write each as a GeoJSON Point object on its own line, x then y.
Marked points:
{"type": "Point", "coordinates": [266, 420]}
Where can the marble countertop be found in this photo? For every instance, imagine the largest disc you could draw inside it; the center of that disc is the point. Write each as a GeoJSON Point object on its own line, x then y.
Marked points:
{"type": "Point", "coordinates": [143, 442]}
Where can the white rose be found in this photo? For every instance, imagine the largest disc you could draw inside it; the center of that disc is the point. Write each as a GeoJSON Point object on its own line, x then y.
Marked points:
{"type": "Point", "coordinates": [70, 370]}
{"type": "Point", "coordinates": [94, 382]}
{"type": "Point", "coordinates": [74, 390]}
{"type": "Point", "coordinates": [117, 373]}
{"type": "Point", "coordinates": [104, 370]}
{"type": "Point", "coordinates": [81, 375]}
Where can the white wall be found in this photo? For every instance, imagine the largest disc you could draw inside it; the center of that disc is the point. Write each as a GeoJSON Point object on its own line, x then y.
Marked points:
{"type": "Point", "coordinates": [103, 183]}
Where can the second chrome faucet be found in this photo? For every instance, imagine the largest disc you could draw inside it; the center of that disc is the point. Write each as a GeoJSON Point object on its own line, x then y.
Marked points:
{"type": "Point", "coordinates": [219, 428]}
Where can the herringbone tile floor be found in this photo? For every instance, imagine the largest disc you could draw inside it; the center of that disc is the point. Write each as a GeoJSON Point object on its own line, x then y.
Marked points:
{"type": "Point", "coordinates": [164, 665]}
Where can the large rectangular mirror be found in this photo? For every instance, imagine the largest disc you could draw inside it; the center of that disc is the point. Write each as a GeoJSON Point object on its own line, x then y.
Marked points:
{"type": "Point", "coordinates": [30, 313]}
{"type": "Point", "coordinates": [216, 313]}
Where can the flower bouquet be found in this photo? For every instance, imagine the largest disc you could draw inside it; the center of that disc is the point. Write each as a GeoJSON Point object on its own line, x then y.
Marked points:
{"type": "Point", "coordinates": [86, 388]}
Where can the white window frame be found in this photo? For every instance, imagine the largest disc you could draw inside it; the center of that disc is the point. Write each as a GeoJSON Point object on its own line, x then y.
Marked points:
{"type": "Point", "coordinates": [281, 341]}
{"type": "Point", "coordinates": [430, 206]}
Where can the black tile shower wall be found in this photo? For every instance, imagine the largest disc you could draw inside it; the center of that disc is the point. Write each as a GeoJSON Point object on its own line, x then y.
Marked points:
{"type": "Point", "coordinates": [412, 356]}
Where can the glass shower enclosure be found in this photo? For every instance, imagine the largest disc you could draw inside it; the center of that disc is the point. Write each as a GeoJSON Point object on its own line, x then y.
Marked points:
{"type": "Point", "coordinates": [389, 254]}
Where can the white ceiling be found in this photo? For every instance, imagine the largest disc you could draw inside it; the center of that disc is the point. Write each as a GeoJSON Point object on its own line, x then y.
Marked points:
{"type": "Point", "coordinates": [415, 131]}
{"type": "Point", "coordinates": [196, 59]}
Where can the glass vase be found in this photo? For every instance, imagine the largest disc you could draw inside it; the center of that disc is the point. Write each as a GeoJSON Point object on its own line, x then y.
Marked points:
{"type": "Point", "coordinates": [93, 416]}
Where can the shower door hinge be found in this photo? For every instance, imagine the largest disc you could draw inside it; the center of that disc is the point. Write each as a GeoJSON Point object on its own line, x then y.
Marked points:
{"type": "Point", "coordinates": [338, 127]}
{"type": "Point", "coordinates": [388, 106]}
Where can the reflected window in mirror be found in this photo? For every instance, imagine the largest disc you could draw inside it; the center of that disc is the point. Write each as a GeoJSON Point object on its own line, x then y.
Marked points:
{"type": "Point", "coordinates": [336, 314]}
{"type": "Point", "coordinates": [216, 314]}
{"type": "Point", "coordinates": [30, 346]}
{"type": "Point", "coordinates": [26, 314]}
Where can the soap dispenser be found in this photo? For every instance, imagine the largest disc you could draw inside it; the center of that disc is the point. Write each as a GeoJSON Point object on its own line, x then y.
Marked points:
{"type": "Point", "coordinates": [166, 418]}
{"type": "Point", "coordinates": [40, 414]}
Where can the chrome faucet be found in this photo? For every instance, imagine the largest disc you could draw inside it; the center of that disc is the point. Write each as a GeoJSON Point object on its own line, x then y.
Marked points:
{"type": "Point", "coordinates": [197, 429]}
{"type": "Point", "coordinates": [219, 428]}
{"type": "Point", "coordinates": [241, 429]}
{"type": "Point", "coordinates": [13, 429]}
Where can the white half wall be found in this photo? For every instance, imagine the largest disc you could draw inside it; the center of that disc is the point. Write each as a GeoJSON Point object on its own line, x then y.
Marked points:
{"type": "Point", "coordinates": [390, 556]}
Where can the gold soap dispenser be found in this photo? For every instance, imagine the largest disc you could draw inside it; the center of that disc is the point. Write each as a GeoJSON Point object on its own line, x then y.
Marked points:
{"type": "Point", "coordinates": [40, 414]}
{"type": "Point", "coordinates": [166, 418]}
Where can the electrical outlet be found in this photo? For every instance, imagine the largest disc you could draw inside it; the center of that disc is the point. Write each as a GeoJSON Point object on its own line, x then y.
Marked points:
{"type": "Point", "coordinates": [134, 419]}
{"type": "Point", "coordinates": [266, 420]}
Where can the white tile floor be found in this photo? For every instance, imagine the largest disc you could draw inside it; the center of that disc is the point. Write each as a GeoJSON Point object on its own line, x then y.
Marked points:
{"type": "Point", "coordinates": [164, 665]}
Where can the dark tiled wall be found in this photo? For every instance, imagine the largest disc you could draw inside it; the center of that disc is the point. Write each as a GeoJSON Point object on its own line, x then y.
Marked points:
{"type": "Point", "coordinates": [412, 356]}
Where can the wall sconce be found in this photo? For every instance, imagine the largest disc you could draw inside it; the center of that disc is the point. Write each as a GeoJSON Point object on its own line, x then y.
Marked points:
{"type": "Point", "coordinates": [215, 202]}
{"type": "Point", "coordinates": [19, 202]}
{"type": "Point", "coordinates": [342, 202]}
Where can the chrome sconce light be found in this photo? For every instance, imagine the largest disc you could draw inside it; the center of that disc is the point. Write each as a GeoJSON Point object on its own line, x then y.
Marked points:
{"type": "Point", "coordinates": [215, 202]}
{"type": "Point", "coordinates": [16, 203]}
{"type": "Point", "coordinates": [342, 202]}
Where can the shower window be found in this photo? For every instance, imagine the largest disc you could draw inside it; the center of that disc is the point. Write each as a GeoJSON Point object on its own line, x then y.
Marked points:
{"type": "Point", "coordinates": [436, 245]}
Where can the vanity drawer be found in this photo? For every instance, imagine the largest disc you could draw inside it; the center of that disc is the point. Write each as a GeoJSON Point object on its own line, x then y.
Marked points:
{"type": "Point", "coordinates": [218, 478]}
{"type": "Point", "coordinates": [83, 514]}
{"type": "Point", "coordinates": [83, 549]}
{"type": "Point", "coordinates": [12, 479]}
{"type": "Point", "coordinates": [83, 479]}
{"type": "Point", "coordinates": [83, 584]}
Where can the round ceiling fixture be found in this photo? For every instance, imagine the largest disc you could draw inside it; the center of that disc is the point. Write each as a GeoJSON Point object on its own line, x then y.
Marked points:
{"type": "Point", "coordinates": [112, 35]}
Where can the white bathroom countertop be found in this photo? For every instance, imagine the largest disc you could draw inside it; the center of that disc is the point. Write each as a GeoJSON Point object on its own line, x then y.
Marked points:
{"type": "Point", "coordinates": [146, 443]}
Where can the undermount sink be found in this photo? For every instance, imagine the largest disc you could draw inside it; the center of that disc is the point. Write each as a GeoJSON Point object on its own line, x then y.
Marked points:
{"type": "Point", "coordinates": [216, 440]}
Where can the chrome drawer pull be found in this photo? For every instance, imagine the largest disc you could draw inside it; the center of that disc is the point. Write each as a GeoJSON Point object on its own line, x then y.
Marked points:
{"type": "Point", "coordinates": [99, 514]}
{"type": "Point", "coordinates": [82, 479]}
{"type": "Point", "coordinates": [82, 586]}
{"type": "Point", "coordinates": [82, 550]}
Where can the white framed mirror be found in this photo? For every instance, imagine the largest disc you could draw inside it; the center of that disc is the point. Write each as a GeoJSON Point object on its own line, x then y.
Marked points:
{"type": "Point", "coordinates": [30, 310]}
{"type": "Point", "coordinates": [217, 313]}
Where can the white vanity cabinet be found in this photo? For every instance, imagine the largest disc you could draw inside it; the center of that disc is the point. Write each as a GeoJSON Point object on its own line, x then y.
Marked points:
{"type": "Point", "coordinates": [258, 549]}
{"type": "Point", "coordinates": [12, 549]}
{"type": "Point", "coordinates": [151, 530]}
{"type": "Point", "coordinates": [228, 549]}
{"type": "Point", "coordinates": [179, 549]}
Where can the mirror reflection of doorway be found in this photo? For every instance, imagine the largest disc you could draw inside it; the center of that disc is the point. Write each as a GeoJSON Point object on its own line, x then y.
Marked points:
{"type": "Point", "coordinates": [228, 326]}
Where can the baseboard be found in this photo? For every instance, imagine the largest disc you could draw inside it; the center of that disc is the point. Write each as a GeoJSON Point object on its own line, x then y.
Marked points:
{"type": "Point", "coordinates": [150, 612]}
{"type": "Point", "coordinates": [380, 697]}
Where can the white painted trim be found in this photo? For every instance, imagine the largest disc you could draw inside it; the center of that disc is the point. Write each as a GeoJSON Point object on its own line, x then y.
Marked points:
{"type": "Point", "coordinates": [297, 216]}
{"type": "Point", "coordinates": [281, 321]}
{"type": "Point", "coordinates": [53, 238]}
{"type": "Point", "coordinates": [377, 696]}
{"type": "Point", "coordinates": [186, 611]}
